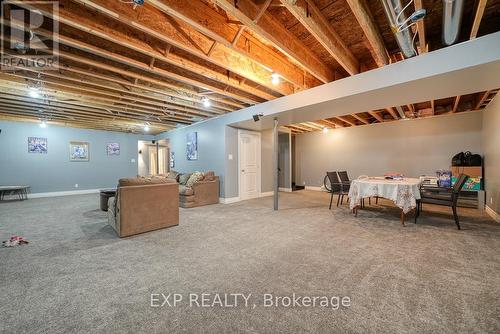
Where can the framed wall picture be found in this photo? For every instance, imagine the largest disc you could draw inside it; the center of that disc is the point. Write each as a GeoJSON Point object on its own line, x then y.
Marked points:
{"type": "Point", "coordinates": [172, 159]}
{"type": "Point", "coordinates": [37, 145]}
{"type": "Point", "coordinates": [113, 148]}
{"type": "Point", "coordinates": [192, 146]}
{"type": "Point", "coordinates": [78, 151]}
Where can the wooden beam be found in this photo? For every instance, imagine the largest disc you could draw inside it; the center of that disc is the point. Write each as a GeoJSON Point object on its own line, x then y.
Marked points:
{"type": "Point", "coordinates": [482, 97]}
{"type": "Point", "coordinates": [47, 110]}
{"type": "Point", "coordinates": [313, 20]}
{"type": "Point", "coordinates": [392, 112]}
{"type": "Point", "coordinates": [421, 29]}
{"type": "Point", "coordinates": [277, 35]}
{"type": "Point", "coordinates": [79, 21]}
{"type": "Point", "coordinates": [137, 96]}
{"type": "Point", "coordinates": [372, 33]}
{"type": "Point", "coordinates": [167, 87]}
{"type": "Point", "coordinates": [102, 95]}
{"type": "Point", "coordinates": [181, 35]}
{"type": "Point", "coordinates": [313, 125]}
{"type": "Point", "coordinates": [477, 18]}
{"type": "Point", "coordinates": [261, 12]}
{"type": "Point", "coordinates": [433, 107]}
{"type": "Point", "coordinates": [455, 104]}
{"type": "Point", "coordinates": [361, 119]}
{"type": "Point", "coordinates": [345, 120]}
{"type": "Point", "coordinates": [376, 116]}
{"type": "Point", "coordinates": [17, 95]}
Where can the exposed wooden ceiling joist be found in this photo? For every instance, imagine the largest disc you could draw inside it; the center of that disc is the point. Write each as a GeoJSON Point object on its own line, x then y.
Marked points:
{"type": "Point", "coordinates": [481, 4]}
{"type": "Point", "coordinates": [271, 31]}
{"type": "Point", "coordinates": [366, 21]}
{"type": "Point", "coordinates": [313, 20]}
{"type": "Point", "coordinates": [212, 24]}
{"type": "Point", "coordinates": [421, 29]}
{"type": "Point", "coordinates": [180, 34]}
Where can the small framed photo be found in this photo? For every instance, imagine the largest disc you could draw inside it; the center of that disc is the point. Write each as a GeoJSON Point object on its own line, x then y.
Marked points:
{"type": "Point", "coordinates": [78, 151]}
{"type": "Point", "coordinates": [37, 145]}
{"type": "Point", "coordinates": [113, 148]}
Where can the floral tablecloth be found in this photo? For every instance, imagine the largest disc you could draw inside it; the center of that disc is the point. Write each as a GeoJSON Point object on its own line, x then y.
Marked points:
{"type": "Point", "coordinates": [404, 193]}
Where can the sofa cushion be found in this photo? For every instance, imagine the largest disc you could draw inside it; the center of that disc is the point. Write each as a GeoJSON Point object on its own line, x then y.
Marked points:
{"type": "Point", "coordinates": [172, 174]}
{"type": "Point", "coordinates": [209, 176]}
{"type": "Point", "coordinates": [185, 190]}
{"type": "Point", "coordinates": [195, 177]}
{"type": "Point", "coordinates": [140, 181]}
{"type": "Point", "coordinates": [184, 178]}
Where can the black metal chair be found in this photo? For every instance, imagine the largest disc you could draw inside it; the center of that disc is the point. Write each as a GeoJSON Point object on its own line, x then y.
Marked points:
{"type": "Point", "coordinates": [345, 183]}
{"type": "Point", "coordinates": [442, 196]}
{"type": "Point", "coordinates": [336, 187]}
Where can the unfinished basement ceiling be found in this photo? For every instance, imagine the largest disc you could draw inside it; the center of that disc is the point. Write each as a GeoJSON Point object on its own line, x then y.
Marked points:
{"type": "Point", "coordinates": [171, 63]}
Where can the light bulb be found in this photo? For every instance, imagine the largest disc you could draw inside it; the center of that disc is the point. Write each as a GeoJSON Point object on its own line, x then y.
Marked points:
{"type": "Point", "coordinates": [325, 130]}
{"type": "Point", "coordinates": [206, 102]}
{"type": "Point", "coordinates": [275, 79]}
{"type": "Point", "coordinates": [146, 128]}
{"type": "Point", "coordinates": [34, 93]}
{"type": "Point", "coordinates": [43, 124]}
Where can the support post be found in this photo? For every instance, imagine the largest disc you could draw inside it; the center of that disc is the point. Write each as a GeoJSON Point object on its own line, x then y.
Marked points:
{"type": "Point", "coordinates": [275, 163]}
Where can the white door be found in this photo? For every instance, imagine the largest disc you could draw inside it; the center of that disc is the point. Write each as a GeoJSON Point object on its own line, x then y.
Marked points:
{"type": "Point", "coordinates": [249, 163]}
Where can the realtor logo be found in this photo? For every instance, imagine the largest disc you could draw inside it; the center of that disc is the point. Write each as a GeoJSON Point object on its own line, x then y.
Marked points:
{"type": "Point", "coordinates": [30, 32]}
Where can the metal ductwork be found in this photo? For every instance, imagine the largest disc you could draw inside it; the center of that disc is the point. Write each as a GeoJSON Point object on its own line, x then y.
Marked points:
{"type": "Point", "coordinates": [452, 19]}
{"type": "Point", "coordinates": [404, 38]}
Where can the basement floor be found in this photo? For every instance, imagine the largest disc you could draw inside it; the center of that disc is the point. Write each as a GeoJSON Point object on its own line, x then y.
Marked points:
{"type": "Point", "coordinates": [77, 276]}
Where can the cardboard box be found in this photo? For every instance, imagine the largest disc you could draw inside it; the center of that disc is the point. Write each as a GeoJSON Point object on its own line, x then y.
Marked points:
{"type": "Point", "coordinates": [471, 171]}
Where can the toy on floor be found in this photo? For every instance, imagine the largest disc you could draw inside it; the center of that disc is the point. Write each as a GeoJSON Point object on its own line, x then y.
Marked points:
{"type": "Point", "coordinates": [15, 241]}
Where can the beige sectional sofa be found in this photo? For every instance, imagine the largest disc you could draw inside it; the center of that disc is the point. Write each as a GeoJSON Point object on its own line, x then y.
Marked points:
{"type": "Point", "coordinates": [143, 205]}
{"type": "Point", "coordinates": [196, 189]}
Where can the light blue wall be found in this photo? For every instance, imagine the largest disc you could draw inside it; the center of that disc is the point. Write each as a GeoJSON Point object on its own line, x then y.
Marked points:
{"type": "Point", "coordinates": [53, 171]}
{"type": "Point", "coordinates": [211, 148]}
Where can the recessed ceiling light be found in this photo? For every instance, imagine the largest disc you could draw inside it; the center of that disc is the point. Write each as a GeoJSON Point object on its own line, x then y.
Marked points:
{"type": "Point", "coordinates": [275, 79]}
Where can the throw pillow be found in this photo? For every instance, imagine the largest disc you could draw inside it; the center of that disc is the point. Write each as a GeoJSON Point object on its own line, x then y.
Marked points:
{"type": "Point", "coordinates": [184, 178]}
{"type": "Point", "coordinates": [172, 174]}
{"type": "Point", "coordinates": [195, 177]}
{"type": "Point", "coordinates": [209, 176]}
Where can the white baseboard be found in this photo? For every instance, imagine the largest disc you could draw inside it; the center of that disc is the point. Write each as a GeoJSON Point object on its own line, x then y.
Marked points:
{"type": "Point", "coordinates": [493, 214]}
{"type": "Point", "coordinates": [287, 190]}
{"type": "Point", "coordinates": [56, 194]}
{"type": "Point", "coordinates": [64, 193]}
{"type": "Point", "coordinates": [315, 188]}
{"type": "Point", "coordinates": [229, 200]}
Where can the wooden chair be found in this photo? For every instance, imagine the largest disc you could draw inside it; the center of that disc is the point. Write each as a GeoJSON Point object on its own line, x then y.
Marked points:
{"type": "Point", "coordinates": [442, 196]}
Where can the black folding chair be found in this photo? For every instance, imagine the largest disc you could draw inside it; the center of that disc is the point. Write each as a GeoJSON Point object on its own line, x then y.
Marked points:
{"type": "Point", "coordinates": [442, 196]}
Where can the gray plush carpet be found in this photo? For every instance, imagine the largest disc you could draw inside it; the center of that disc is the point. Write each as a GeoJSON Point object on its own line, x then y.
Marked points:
{"type": "Point", "coordinates": [76, 276]}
